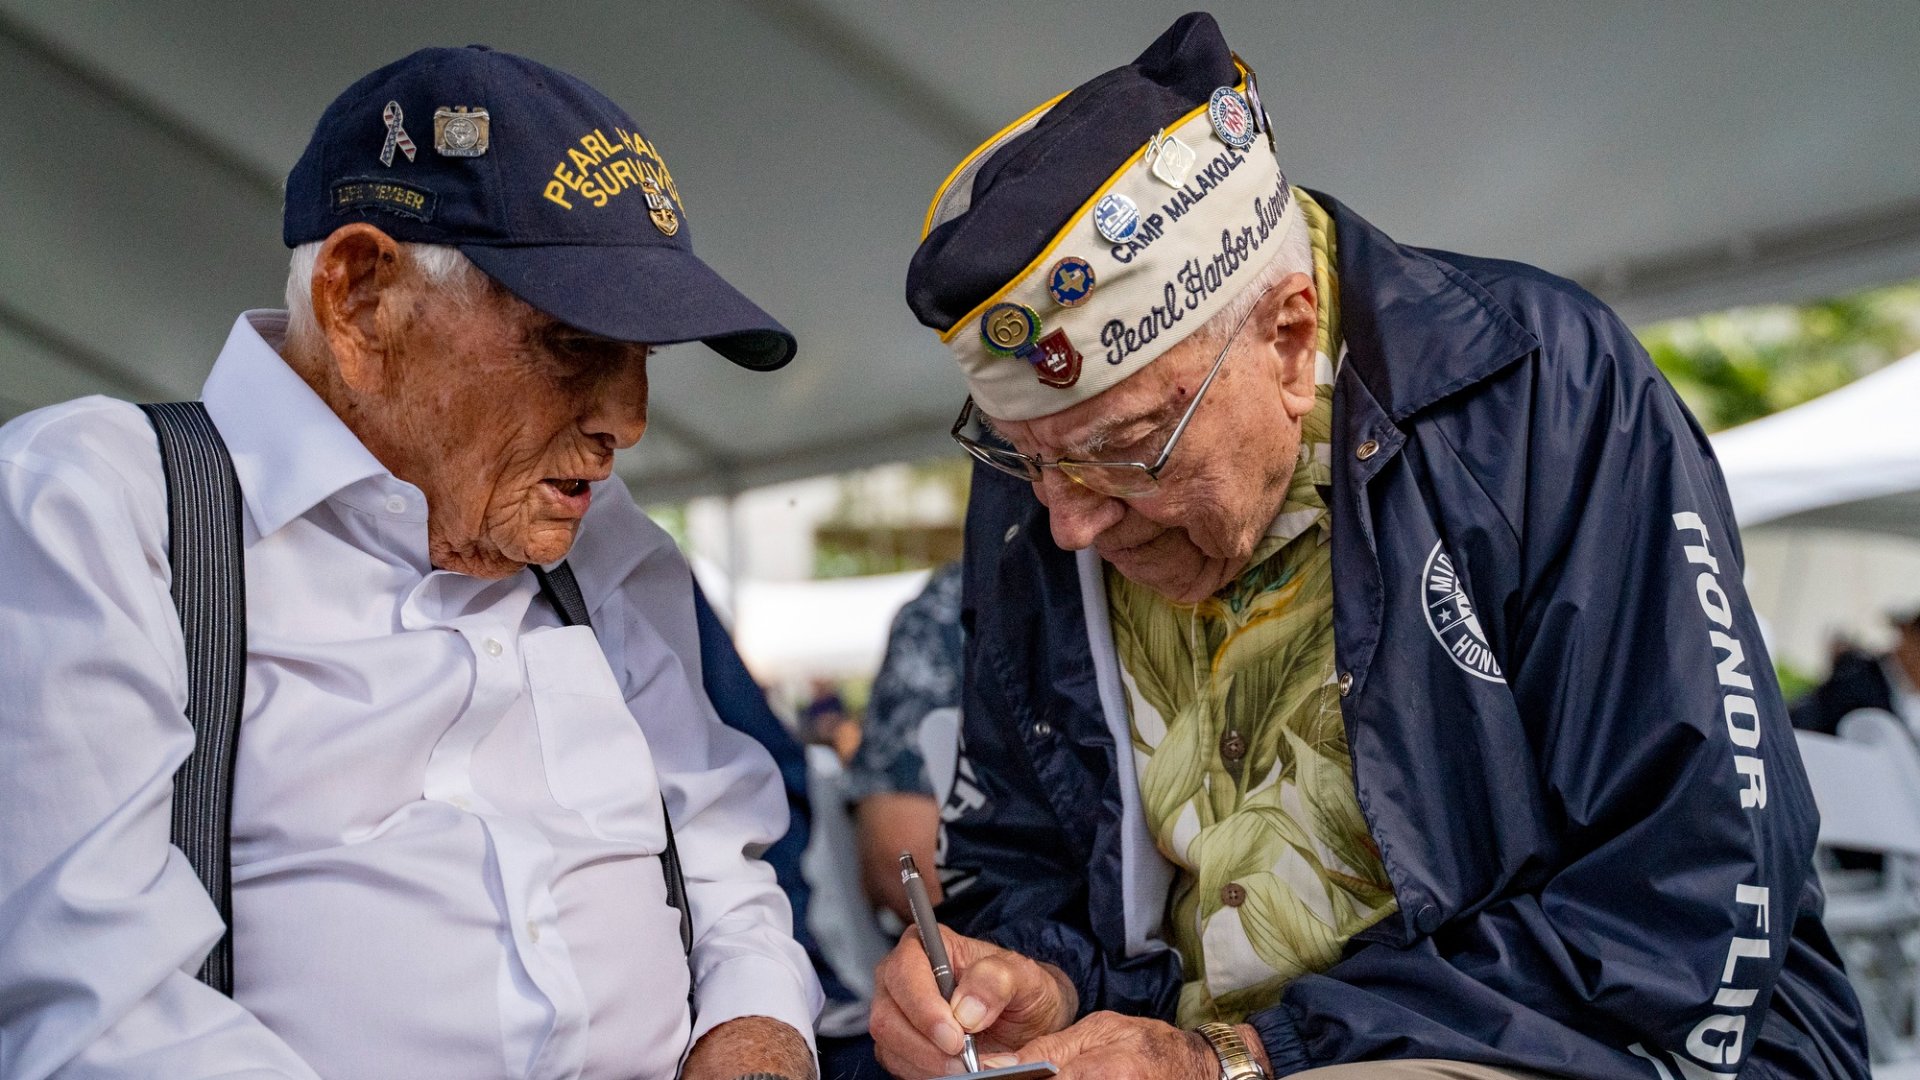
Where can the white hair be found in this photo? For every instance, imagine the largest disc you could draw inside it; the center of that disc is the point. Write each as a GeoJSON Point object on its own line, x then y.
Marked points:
{"type": "Point", "coordinates": [447, 271]}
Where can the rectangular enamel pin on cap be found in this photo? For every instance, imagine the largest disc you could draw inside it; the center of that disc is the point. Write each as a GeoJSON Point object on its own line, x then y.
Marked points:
{"type": "Point", "coordinates": [460, 131]}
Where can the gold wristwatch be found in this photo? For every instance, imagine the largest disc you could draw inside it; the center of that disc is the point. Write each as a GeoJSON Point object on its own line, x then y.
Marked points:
{"type": "Point", "coordinates": [1236, 1061]}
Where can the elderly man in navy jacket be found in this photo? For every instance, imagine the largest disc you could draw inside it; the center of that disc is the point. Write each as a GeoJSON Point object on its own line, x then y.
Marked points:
{"type": "Point", "coordinates": [1358, 664]}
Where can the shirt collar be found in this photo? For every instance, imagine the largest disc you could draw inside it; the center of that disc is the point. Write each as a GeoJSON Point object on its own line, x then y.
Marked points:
{"type": "Point", "coordinates": [290, 450]}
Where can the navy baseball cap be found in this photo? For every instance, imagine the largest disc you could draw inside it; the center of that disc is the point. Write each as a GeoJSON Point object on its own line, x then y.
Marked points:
{"type": "Point", "coordinates": [545, 184]}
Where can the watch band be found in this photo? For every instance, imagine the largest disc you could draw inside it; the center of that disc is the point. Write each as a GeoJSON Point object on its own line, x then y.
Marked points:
{"type": "Point", "coordinates": [1236, 1060]}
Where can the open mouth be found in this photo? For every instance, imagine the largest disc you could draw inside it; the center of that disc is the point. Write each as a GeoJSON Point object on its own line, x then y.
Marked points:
{"type": "Point", "coordinates": [569, 488]}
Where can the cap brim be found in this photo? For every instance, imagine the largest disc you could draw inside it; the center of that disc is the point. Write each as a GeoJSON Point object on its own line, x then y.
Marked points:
{"type": "Point", "coordinates": [653, 295]}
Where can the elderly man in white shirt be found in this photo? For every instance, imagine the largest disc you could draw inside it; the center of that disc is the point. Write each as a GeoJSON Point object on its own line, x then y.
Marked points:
{"type": "Point", "coordinates": [447, 826]}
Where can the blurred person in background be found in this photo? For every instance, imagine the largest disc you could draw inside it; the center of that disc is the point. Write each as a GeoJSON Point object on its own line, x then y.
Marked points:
{"type": "Point", "coordinates": [870, 809]}
{"type": "Point", "coordinates": [1864, 680]}
{"type": "Point", "coordinates": [887, 781]}
{"type": "Point", "coordinates": [828, 722]}
{"type": "Point", "coordinates": [846, 1051]}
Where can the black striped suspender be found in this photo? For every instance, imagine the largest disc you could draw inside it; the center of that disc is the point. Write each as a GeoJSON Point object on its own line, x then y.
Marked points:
{"type": "Point", "coordinates": [210, 591]}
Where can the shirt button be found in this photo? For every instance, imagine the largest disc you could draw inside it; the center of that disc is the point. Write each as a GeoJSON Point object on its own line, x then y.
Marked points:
{"type": "Point", "coordinates": [1232, 894]}
{"type": "Point", "coordinates": [533, 931]}
{"type": "Point", "coordinates": [1042, 729]}
{"type": "Point", "coordinates": [494, 648]}
{"type": "Point", "coordinates": [1233, 746]}
{"type": "Point", "coordinates": [396, 504]}
{"type": "Point", "coordinates": [1346, 683]}
{"type": "Point", "coordinates": [1012, 531]}
{"type": "Point", "coordinates": [1367, 449]}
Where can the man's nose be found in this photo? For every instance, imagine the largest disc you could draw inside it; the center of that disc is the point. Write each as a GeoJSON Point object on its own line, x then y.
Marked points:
{"type": "Point", "coordinates": [620, 406]}
{"type": "Point", "coordinates": [1077, 514]}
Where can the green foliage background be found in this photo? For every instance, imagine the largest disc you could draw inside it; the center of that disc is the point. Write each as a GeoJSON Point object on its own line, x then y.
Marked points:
{"type": "Point", "coordinates": [1734, 366]}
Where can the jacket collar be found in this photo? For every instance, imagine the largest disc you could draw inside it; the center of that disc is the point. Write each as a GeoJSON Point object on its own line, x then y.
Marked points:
{"type": "Point", "coordinates": [289, 450]}
{"type": "Point", "coordinates": [1417, 329]}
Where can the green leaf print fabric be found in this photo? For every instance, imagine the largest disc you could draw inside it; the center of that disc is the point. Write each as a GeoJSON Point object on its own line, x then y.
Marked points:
{"type": "Point", "coordinates": [1244, 770]}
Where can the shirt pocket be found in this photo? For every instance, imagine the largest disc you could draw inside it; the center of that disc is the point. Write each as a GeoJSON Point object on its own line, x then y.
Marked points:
{"type": "Point", "coordinates": [597, 760]}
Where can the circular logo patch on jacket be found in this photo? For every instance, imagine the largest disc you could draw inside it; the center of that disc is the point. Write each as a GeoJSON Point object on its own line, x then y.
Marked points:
{"type": "Point", "coordinates": [1450, 616]}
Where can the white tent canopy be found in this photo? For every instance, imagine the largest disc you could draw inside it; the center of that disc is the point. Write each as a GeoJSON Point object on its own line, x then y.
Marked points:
{"type": "Point", "coordinates": [1675, 157]}
{"type": "Point", "coordinates": [1847, 460]}
{"type": "Point", "coordinates": [1827, 494]}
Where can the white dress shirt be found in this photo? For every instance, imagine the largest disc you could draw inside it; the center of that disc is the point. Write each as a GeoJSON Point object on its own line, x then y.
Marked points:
{"type": "Point", "coordinates": [446, 821]}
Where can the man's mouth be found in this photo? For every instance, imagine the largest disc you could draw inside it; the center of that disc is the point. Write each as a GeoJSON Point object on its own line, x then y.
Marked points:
{"type": "Point", "coordinates": [569, 487]}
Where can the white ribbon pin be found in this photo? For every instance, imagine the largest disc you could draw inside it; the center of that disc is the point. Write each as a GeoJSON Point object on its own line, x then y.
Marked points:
{"type": "Point", "coordinates": [396, 135]}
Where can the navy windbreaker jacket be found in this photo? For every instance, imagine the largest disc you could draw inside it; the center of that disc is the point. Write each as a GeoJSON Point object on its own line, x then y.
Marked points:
{"type": "Point", "coordinates": [1566, 734]}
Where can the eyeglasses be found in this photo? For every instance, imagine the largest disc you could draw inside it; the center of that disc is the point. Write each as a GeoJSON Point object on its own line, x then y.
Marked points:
{"type": "Point", "coordinates": [1118, 479]}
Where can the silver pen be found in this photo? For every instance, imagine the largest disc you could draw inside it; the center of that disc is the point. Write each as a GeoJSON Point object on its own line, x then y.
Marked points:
{"type": "Point", "coordinates": [922, 905]}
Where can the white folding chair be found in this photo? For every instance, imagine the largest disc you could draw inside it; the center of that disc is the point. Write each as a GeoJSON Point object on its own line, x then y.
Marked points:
{"type": "Point", "coordinates": [1866, 782]}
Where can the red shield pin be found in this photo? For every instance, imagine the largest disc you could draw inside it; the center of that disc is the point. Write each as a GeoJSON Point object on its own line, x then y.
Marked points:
{"type": "Point", "coordinates": [1056, 361]}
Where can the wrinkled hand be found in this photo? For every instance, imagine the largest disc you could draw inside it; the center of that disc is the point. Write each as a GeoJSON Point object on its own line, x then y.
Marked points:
{"type": "Point", "coordinates": [1108, 1046]}
{"type": "Point", "coordinates": [750, 1044]}
{"type": "Point", "coordinates": [1006, 999]}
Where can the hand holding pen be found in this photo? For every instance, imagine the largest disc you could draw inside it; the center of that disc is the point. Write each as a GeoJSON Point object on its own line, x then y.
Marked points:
{"type": "Point", "coordinates": [936, 950]}
{"type": "Point", "coordinates": [1005, 999]}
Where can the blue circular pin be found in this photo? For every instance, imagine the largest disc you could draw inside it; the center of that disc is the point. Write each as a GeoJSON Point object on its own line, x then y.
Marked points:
{"type": "Point", "coordinates": [1070, 281]}
{"type": "Point", "coordinates": [1232, 120]}
{"type": "Point", "coordinates": [1009, 329]}
{"type": "Point", "coordinates": [1116, 218]}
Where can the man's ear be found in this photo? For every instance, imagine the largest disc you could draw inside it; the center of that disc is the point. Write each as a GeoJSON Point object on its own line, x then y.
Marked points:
{"type": "Point", "coordinates": [1291, 313]}
{"type": "Point", "coordinates": [356, 267]}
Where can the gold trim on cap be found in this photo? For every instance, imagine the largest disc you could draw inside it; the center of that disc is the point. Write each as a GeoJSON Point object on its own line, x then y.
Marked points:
{"type": "Point", "coordinates": [940, 192]}
{"type": "Point", "coordinates": [1072, 219]}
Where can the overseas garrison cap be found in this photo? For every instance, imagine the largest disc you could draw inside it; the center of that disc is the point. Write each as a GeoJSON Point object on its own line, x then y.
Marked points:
{"type": "Point", "coordinates": [540, 180]}
{"type": "Point", "coordinates": [1096, 232]}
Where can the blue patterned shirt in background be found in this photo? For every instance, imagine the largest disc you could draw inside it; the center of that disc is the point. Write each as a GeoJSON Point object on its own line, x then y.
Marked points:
{"type": "Point", "coordinates": [921, 673]}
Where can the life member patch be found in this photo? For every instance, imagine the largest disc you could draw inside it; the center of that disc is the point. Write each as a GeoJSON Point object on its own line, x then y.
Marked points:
{"type": "Point", "coordinates": [389, 195]}
{"type": "Point", "coordinates": [1451, 618]}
